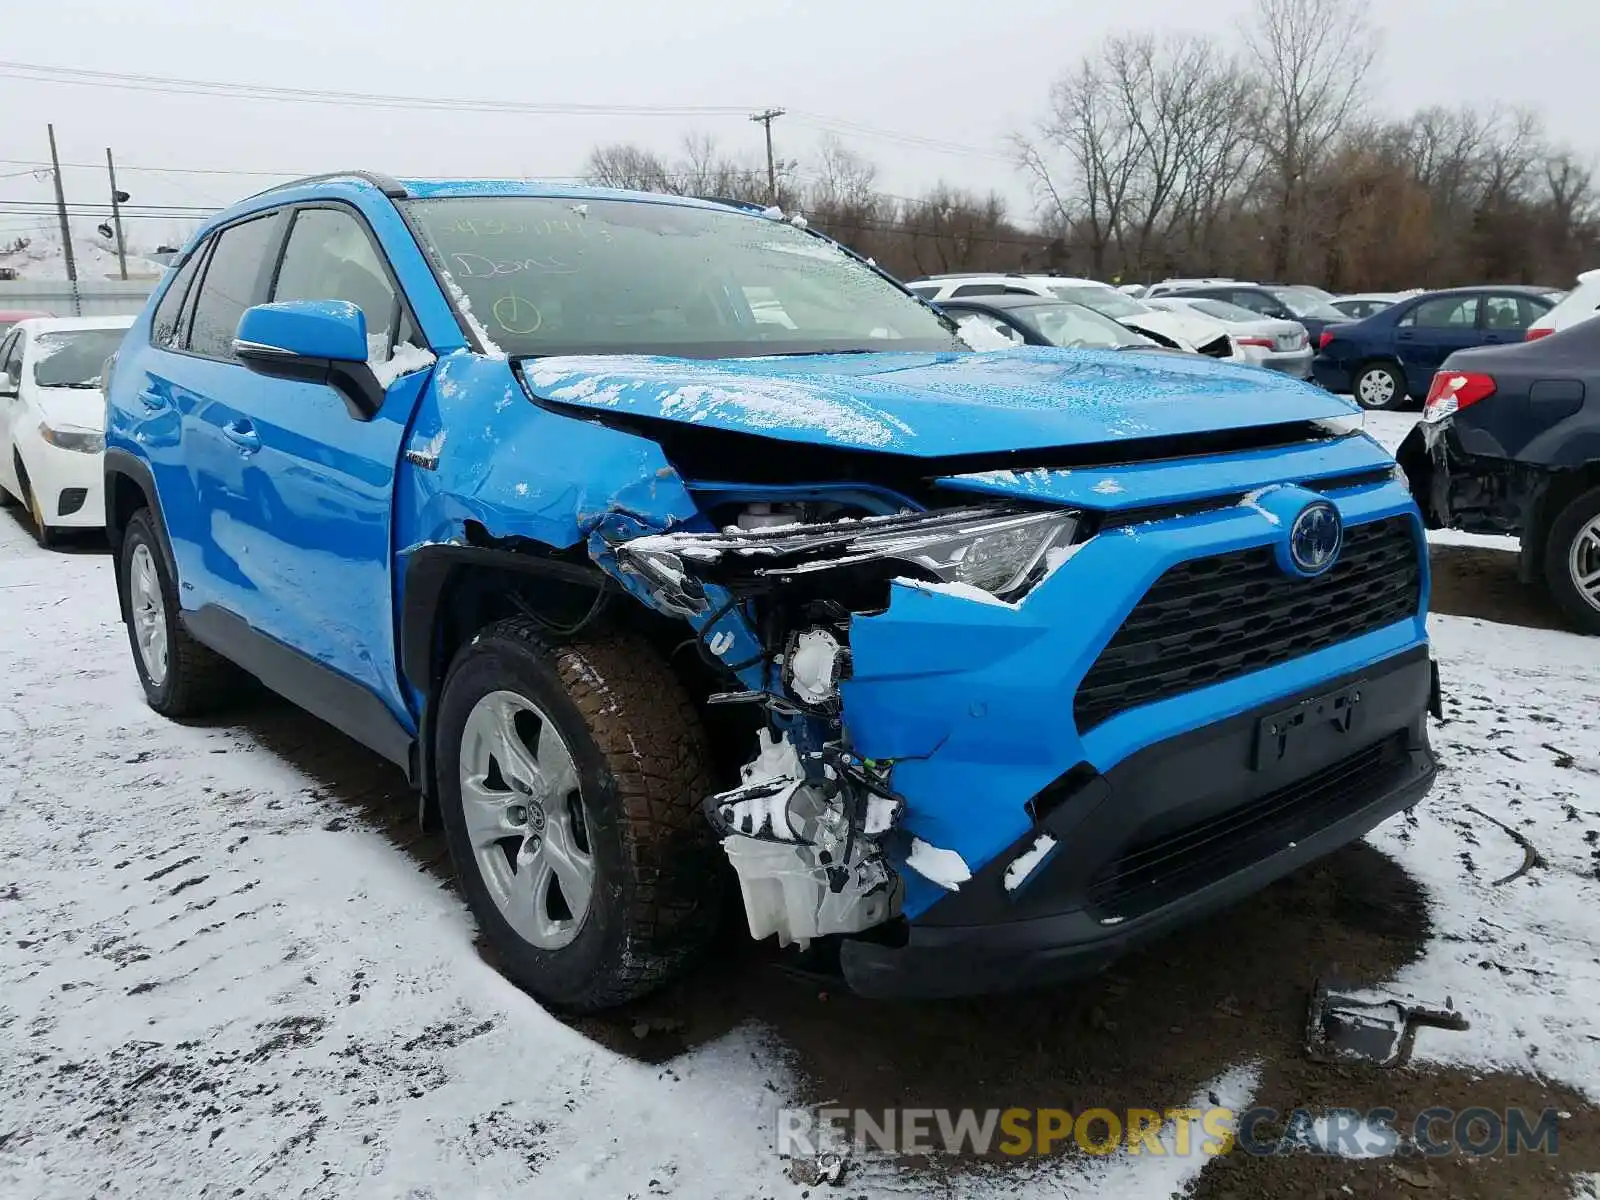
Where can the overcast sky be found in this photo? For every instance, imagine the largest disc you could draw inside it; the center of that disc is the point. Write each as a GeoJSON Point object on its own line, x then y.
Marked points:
{"type": "Point", "coordinates": [954, 71]}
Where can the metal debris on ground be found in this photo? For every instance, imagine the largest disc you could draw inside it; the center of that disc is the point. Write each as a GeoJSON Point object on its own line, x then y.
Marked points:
{"type": "Point", "coordinates": [1351, 1024]}
{"type": "Point", "coordinates": [827, 1167]}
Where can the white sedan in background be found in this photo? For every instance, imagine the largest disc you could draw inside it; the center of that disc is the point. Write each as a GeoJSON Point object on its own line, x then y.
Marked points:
{"type": "Point", "coordinates": [52, 419]}
{"type": "Point", "coordinates": [1269, 342]}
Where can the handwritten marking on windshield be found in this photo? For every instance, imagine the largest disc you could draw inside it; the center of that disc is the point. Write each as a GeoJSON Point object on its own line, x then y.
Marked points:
{"type": "Point", "coordinates": [516, 315]}
{"type": "Point", "coordinates": [477, 266]}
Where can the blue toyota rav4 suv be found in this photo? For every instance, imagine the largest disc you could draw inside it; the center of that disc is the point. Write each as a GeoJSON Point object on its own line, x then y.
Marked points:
{"type": "Point", "coordinates": [655, 537]}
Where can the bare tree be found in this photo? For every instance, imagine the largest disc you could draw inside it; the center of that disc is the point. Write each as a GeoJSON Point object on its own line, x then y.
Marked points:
{"type": "Point", "coordinates": [1090, 124]}
{"type": "Point", "coordinates": [623, 165]}
{"type": "Point", "coordinates": [1313, 57]}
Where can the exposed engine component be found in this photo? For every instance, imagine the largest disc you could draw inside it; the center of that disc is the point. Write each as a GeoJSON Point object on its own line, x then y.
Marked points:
{"type": "Point", "coordinates": [800, 835]}
{"type": "Point", "coordinates": [814, 666]}
{"type": "Point", "coordinates": [767, 516]}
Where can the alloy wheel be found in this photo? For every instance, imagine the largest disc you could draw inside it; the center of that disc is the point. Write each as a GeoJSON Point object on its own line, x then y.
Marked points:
{"type": "Point", "coordinates": [1583, 561]}
{"type": "Point", "coordinates": [1376, 389]}
{"type": "Point", "coordinates": [147, 608]}
{"type": "Point", "coordinates": [525, 819]}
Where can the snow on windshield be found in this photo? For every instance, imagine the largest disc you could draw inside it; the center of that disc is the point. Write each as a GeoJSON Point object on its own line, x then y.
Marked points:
{"type": "Point", "coordinates": [610, 276]}
{"type": "Point", "coordinates": [73, 359]}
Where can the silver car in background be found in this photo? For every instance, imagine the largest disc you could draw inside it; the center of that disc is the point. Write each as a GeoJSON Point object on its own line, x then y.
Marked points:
{"type": "Point", "coordinates": [1266, 342]}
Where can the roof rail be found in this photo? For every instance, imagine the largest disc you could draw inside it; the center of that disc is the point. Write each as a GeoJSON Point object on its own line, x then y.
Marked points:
{"type": "Point", "coordinates": [387, 184]}
{"type": "Point", "coordinates": [730, 202]}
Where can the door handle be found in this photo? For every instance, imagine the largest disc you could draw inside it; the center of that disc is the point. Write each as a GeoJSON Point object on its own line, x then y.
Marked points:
{"type": "Point", "coordinates": [242, 435]}
{"type": "Point", "coordinates": [154, 401]}
{"type": "Point", "coordinates": [1405, 335]}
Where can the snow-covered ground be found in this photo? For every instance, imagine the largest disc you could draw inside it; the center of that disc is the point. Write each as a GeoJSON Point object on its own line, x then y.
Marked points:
{"type": "Point", "coordinates": [215, 980]}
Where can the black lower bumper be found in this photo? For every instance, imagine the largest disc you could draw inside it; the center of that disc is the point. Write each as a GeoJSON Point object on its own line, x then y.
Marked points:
{"type": "Point", "coordinates": [1178, 830]}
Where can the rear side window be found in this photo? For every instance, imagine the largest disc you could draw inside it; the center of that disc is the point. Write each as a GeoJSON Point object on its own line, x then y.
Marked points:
{"type": "Point", "coordinates": [230, 286]}
{"type": "Point", "coordinates": [980, 289]}
{"type": "Point", "coordinates": [329, 256]}
{"type": "Point", "coordinates": [1511, 312]}
{"type": "Point", "coordinates": [164, 328]}
{"type": "Point", "coordinates": [1445, 313]}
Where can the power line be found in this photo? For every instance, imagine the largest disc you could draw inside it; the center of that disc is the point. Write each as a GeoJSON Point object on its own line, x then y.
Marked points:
{"type": "Point", "coordinates": [41, 73]}
{"type": "Point", "coordinates": [44, 73]}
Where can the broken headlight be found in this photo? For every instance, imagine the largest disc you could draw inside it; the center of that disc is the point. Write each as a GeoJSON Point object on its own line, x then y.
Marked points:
{"type": "Point", "coordinates": [997, 553]}
{"type": "Point", "coordinates": [1003, 551]}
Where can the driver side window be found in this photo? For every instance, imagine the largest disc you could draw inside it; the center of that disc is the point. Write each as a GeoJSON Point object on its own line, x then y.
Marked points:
{"type": "Point", "coordinates": [329, 256]}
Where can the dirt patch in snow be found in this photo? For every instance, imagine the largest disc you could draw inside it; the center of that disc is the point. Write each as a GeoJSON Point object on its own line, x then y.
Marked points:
{"type": "Point", "coordinates": [1471, 581]}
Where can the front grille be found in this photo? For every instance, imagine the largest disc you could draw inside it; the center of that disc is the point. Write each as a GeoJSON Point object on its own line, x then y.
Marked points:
{"type": "Point", "coordinates": [1217, 348]}
{"type": "Point", "coordinates": [1212, 619]}
{"type": "Point", "coordinates": [1152, 873]}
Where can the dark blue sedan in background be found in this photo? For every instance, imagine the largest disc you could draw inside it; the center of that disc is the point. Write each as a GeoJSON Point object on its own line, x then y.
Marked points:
{"type": "Point", "coordinates": [1393, 354]}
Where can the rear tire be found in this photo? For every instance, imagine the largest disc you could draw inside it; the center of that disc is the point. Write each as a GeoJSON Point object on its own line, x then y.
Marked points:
{"type": "Point", "coordinates": [1572, 561]}
{"type": "Point", "coordinates": [581, 767]}
{"type": "Point", "coordinates": [1379, 387]}
{"type": "Point", "coordinates": [181, 678]}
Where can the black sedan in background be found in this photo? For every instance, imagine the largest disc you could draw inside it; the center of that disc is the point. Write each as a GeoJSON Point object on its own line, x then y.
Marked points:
{"type": "Point", "coordinates": [1509, 443]}
{"type": "Point", "coordinates": [1037, 321]}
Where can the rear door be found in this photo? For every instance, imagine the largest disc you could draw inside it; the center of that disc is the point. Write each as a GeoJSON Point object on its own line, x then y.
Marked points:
{"type": "Point", "coordinates": [193, 396]}
{"type": "Point", "coordinates": [1431, 332]}
{"type": "Point", "coordinates": [1505, 317]}
{"type": "Point", "coordinates": [309, 501]}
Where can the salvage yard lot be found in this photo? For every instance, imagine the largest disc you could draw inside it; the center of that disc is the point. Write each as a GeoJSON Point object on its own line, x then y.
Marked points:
{"type": "Point", "coordinates": [229, 965]}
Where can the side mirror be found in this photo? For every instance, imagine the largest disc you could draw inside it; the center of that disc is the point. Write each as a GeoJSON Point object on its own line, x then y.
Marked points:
{"type": "Point", "coordinates": [313, 341]}
{"type": "Point", "coordinates": [8, 385]}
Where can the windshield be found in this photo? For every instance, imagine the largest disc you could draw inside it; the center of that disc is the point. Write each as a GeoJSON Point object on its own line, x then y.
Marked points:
{"type": "Point", "coordinates": [1304, 303]}
{"type": "Point", "coordinates": [550, 276]}
{"type": "Point", "coordinates": [1066, 324]}
{"type": "Point", "coordinates": [73, 359]}
{"type": "Point", "coordinates": [1102, 299]}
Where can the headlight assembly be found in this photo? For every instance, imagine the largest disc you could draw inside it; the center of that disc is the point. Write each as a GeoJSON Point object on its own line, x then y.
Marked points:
{"type": "Point", "coordinates": [1002, 551]}
{"type": "Point", "coordinates": [82, 441]}
{"type": "Point", "coordinates": [999, 554]}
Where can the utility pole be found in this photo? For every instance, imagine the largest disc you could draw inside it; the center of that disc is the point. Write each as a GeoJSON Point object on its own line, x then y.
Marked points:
{"type": "Point", "coordinates": [767, 118]}
{"type": "Point", "coordinates": [116, 214]}
{"type": "Point", "coordinates": [61, 208]}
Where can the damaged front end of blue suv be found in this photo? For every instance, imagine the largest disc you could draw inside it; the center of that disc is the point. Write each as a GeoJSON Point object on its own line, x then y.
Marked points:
{"type": "Point", "coordinates": [659, 535]}
{"type": "Point", "coordinates": [1018, 716]}
{"type": "Point", "coordinates": [1042, 651]}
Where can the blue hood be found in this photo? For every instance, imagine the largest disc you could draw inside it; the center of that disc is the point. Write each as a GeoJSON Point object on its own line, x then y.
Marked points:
{"type": "Point", "coordinates": [937, 405]}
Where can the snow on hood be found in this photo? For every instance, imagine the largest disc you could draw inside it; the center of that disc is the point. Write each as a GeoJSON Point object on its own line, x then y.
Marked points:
{"type": "Point", "coordinates": [72, 408]}
{"type": "Point", "coordinates": [933, 405]}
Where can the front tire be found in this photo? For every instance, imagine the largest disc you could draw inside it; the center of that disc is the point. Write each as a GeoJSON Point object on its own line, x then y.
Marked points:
{"type": "Point", "coordinates": [1572, 561]}
{"type": "Point", "coordinates": [41, 532]}
{"type": "Point", "coordinates": [570, 778]}
{"type": "Point", "coordinates": [1379, 387]}
{"type": "Point", "coordinates": [181, 678]}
